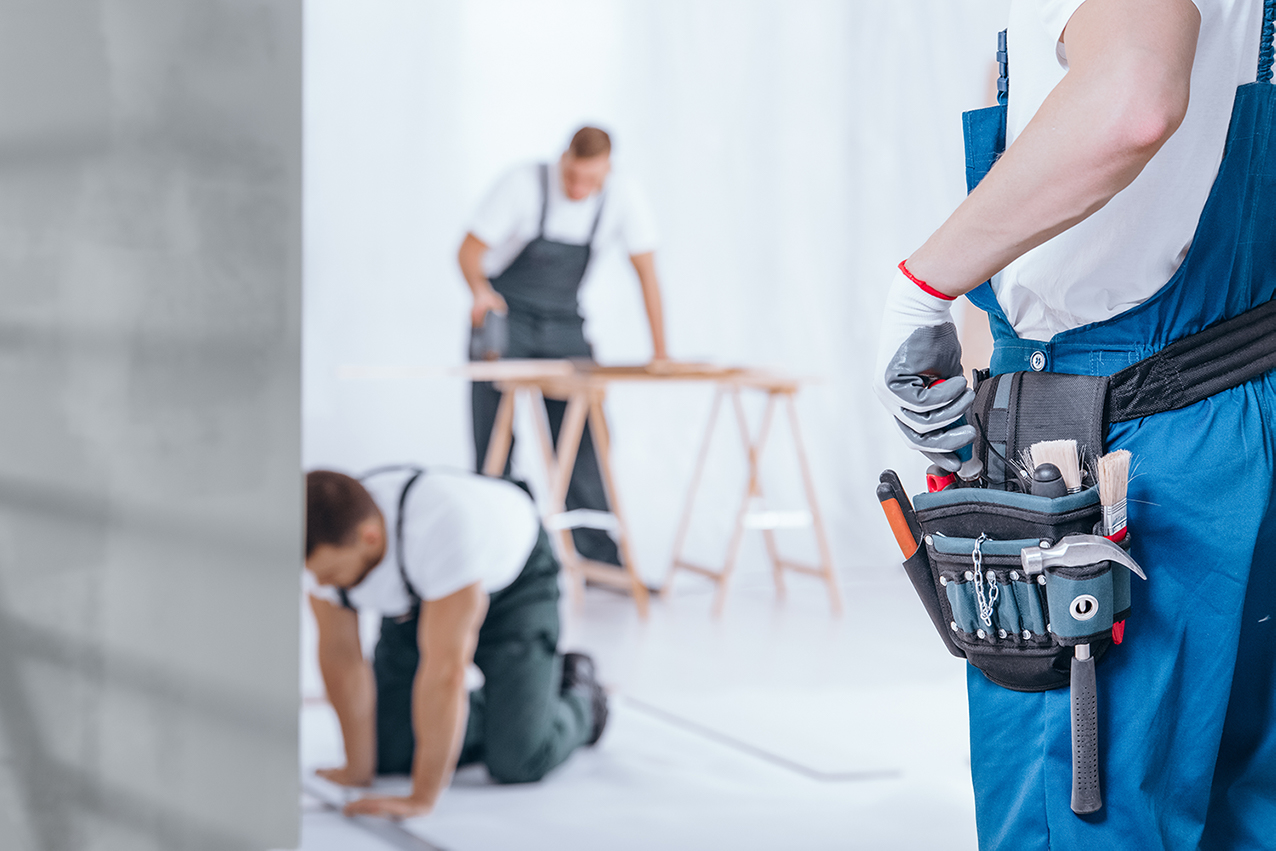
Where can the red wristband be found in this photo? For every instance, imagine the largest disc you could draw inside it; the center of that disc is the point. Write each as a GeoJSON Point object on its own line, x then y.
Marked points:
{"type": "Point", "coordinates": [925, 288]}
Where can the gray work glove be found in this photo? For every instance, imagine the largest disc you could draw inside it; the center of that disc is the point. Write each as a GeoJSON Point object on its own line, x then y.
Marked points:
{"type": "Point", "coordinates": [918, 372]}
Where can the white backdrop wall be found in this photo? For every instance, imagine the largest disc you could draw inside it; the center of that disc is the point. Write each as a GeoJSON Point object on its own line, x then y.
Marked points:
{"type": "Point", "coordinates": [793, 152]}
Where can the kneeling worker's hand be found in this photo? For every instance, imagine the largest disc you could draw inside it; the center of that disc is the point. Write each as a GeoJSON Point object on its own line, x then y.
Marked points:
{"type": "Point", "coordinates": [918, 372]}
{"type": "Point", "coordinates": [346, 776]}
{"type": "Point", "coordinates": [388, 807]}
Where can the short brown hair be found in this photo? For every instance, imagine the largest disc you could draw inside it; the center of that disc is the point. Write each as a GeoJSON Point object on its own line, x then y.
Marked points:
{"type": "Point", "coordinates": [590, 142]}
{"type": "Point", "coordinates": [335, 506]}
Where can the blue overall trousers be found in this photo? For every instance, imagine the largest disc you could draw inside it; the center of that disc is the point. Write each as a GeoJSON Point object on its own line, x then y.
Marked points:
{"type": "Point", "coordinates": [1187, 704]}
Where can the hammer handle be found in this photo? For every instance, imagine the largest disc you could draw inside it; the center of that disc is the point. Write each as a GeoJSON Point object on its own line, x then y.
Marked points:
{"type": "Point", "coordinates": [1085, 738]}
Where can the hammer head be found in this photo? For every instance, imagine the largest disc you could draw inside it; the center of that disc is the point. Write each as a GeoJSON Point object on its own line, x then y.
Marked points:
{"type": "Point", "coordinates": [1077, 551]}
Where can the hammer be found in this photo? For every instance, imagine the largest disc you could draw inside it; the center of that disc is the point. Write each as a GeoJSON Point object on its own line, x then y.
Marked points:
{"type": "Point", "coordinates": [1080, 551]}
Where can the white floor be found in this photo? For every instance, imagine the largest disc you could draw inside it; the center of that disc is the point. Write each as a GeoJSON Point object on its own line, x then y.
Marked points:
{"type": "Point", "coordinates": [776, 726]}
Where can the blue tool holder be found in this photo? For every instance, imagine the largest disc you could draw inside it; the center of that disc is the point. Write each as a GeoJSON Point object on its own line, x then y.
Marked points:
{"type": "Point", "coordinates": [1019, 629]}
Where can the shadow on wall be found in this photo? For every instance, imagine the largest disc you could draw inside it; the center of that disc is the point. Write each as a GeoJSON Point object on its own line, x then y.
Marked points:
{"type": "Point", "coordinates": [150, 489]}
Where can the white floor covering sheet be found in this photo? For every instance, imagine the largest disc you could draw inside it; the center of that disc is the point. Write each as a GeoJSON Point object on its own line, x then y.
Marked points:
{"type": "Point", "coordinates": [773, 727]}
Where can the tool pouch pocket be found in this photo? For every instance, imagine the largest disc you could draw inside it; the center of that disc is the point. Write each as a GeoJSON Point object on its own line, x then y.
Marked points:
{"type": "Point", "coordinates": [1014, 410]}
{"type": "Point", "coordinates": [1019, 629]}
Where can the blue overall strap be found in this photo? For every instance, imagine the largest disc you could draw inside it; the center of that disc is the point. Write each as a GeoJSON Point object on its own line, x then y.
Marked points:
{"type": "Point", "coordinates": [1265, 46]}
{"type": "Point", "coordinates": [984, 131]}
{"type": "Point", "coordinates": [398, 537]}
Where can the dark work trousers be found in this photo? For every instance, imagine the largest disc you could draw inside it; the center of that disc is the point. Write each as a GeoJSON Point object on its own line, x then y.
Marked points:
{"type": "Point", "coordinates": [532, 336]}
{"type": "Point", "coordinates": [520, 726]}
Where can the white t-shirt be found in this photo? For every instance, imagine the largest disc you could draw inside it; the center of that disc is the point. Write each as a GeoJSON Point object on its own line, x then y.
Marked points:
{"type": "Point", "coordinates": [510, 215]}
{"type": "Point", "coordinates": [1123, 254]}
{"type": "Point", "coordinates": [458, 529]}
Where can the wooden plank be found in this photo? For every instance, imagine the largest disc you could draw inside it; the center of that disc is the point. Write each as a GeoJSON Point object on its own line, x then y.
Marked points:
{"type": "Point", "coordinates": [530, 369]}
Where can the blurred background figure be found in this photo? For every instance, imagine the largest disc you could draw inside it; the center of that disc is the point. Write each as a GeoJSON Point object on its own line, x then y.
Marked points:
{"type": "Point", "coordinates": [524, 257]}
{"type": "Point", "coordinates": [460, 572]}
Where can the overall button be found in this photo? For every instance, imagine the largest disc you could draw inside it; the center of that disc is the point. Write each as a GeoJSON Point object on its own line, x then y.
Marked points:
{"type": "Point", "coordinates": [1038, 361]}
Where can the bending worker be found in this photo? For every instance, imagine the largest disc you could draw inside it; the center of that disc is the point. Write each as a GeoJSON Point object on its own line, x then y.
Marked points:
{"type": "Point", "coordinates": [525, 255]}
{"type": "Point", "coordinates": [1125, 215]}
{"type": "Point", "coordinates": [460, 571]}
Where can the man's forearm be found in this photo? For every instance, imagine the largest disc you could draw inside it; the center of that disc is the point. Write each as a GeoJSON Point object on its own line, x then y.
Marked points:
{"type": "Point", "coordinates": [645, 266]}
{"type": "Point", "coordinates": [352, 692]}
{"type": "Point", "coordinates": [440, 708]}
{"type": "Point", "coordinates": [470, 259]}
{"type": "Point", "coordinates": [1123, 98]}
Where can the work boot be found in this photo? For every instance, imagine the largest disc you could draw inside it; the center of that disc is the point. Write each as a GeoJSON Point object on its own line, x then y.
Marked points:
{"type": "Point", "coordinates": [580, 674]}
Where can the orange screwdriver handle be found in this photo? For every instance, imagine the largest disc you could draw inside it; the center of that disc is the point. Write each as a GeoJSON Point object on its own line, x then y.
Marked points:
{"type": "Point", "coordinates": [895, 517]}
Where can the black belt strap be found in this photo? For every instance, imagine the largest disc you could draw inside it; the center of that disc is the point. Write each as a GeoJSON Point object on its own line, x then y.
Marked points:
{"type": "Point", "coordinates": [1013, 411]}
{"type": "Point", "coordinates": [1224, 355]}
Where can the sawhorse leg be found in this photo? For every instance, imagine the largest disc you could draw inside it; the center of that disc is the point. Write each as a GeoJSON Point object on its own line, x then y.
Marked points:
{"type": "Point", "coordinates": [502, 438]}
{"type": "Point", "coordinates": [754, 448]}
{"type": "Point", "coordinates": [585, 407]}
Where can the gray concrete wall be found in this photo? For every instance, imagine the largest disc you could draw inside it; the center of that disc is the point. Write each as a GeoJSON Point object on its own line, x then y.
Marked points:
{"type": "Point", "coordinates": [150, 497]}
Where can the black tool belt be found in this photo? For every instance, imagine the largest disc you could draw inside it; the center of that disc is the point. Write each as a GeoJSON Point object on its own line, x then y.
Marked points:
{"type": "Point", "coordinates": [1020, 629]}
{"type": "Point", "coordinates": [1017, 626]}
{"type": "Point", "coordinates": [1018, 409]}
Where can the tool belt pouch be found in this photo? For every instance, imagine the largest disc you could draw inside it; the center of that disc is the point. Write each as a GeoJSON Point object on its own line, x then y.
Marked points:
{"type": "Point", "coordinates": [1019, 630]}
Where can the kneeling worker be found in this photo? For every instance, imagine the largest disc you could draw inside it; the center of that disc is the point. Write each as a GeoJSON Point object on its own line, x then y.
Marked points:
{"type": "Point", "coordinates": [460, 570]}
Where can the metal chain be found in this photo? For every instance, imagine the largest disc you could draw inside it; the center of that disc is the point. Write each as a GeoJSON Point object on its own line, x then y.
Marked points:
{"type": "Point", "coordinates": [984, 598]}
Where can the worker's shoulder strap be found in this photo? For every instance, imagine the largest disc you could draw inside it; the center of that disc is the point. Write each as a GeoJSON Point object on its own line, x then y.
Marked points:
{"type": "Point", "coordinates": [543, 172]}
{"type": "Point", "coordinates": [598, 215]}
{"type": "Point", "coordinates": [414, 474]}
{"type": "Point", "coordinates": [1266, 39]}
{"type": "Point", "coordinates": [398, 537]}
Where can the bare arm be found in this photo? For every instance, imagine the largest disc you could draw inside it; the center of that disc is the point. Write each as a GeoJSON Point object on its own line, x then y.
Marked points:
{"type": "Point", "coordinates": [1125, 93]}
{"type": "Point", "coordinates": [347, 677]}
{"type": "Point", "coordinates": [645, 266]}
{"type": "Point", "coordinates": [448, 635]}
{"type": "Point", "coordinates": [470, 258]}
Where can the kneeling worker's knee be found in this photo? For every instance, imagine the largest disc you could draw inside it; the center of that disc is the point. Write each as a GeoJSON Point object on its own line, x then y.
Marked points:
{"type": "Point", "coordinates": [516, 767]}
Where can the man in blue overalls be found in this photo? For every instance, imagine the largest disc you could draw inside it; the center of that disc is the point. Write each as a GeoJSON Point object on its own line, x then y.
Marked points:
{"type": "Point", "coordinates": [1134, 206]}
{"type": "Point", "coordinates": [525, 256]}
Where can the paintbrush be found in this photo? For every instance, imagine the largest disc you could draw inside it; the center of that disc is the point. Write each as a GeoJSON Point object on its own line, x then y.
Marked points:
{"type": "Point", "coordinates": [1114, 476]}
{"type": "Point", "coordinates": [1063, 454]}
